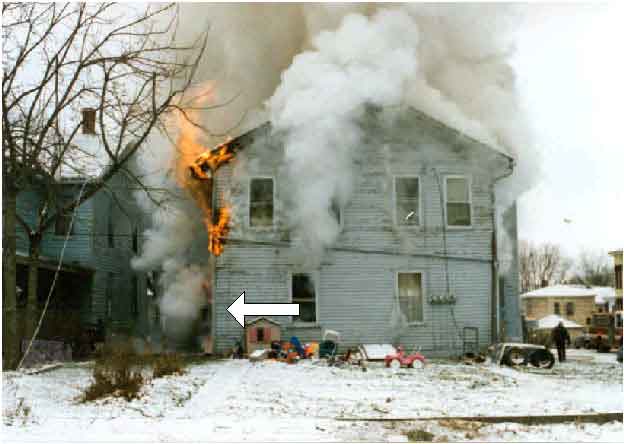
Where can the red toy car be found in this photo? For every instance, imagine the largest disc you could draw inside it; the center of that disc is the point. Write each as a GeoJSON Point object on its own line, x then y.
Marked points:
{"type": "Point", "coordinates": [400, 359]}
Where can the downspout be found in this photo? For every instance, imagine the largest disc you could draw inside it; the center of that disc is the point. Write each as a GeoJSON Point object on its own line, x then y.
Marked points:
{"type": "Point", "coordinates": [495, 296]}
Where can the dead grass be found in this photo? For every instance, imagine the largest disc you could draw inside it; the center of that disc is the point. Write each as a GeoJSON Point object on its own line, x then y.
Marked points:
{"type": "Point", "coordinates": [168, 364]}
{"type": "Point", "coordinates": [417, 435]}
{"type": "Point", "coordinates": [118, 373]}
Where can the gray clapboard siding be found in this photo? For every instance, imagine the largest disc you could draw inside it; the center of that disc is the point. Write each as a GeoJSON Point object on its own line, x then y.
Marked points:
{"type": "Point", "coordinates": [356, 286]}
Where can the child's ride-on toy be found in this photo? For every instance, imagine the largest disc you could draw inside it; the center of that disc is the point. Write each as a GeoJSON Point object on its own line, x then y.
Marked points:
{"type": "Point", "coordinates": [400, 359]}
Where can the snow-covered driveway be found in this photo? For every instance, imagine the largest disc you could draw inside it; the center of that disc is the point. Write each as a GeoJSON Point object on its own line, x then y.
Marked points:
{"type": "Point", "coordinates": [235, 400]}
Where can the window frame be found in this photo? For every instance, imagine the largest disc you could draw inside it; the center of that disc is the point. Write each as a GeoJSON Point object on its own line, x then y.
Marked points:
{"type": "Point", "coordinates": [315, 275]}
{"type": "Point", "coordinates": [248, 216]}
{"type": "Point", "coordinates": [569, 305]}
{"type": "Point", "coordinates": [423, 287]}
{"type": "Point", "coordinates": [468, 179]}
{"type": "Point", "coordinates": [394, 200]}
{"type": "Point", "coordinates": [66, 216]}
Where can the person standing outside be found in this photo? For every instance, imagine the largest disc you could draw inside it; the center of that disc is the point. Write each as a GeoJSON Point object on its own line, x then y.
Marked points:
{"type": "Point", "coordinates": [561, 338]}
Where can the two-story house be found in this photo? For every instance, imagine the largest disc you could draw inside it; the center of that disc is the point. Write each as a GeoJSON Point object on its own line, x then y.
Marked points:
{"type": "Point", "coordinates": [95, 281]}
{"type": "Point", "coordinates": [420, 232]}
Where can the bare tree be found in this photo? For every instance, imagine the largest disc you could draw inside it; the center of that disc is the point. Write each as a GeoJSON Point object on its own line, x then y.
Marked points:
{"type": "Point", "coordinates": [120, 61]}
{"type": "Point", "coordinates": [594, 268]}
{"type": "Point", "coordinates": [541, 265]}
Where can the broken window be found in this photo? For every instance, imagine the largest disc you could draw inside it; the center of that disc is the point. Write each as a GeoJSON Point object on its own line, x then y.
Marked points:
{"type": "Point", "coordinates": [410, 296]}
{"type": "Point", "coordinates": [557, 308]}
{"type": "Point", "coordinates": [261, 202]}
{"type": "Point", "coordinates": [458, 202]}
{"type": "Point", "coordinates": [570, 309]}
{"type": "Point", "coordinates": [407, 200]}
{"type": "Point", "coordinates": [304, 294]}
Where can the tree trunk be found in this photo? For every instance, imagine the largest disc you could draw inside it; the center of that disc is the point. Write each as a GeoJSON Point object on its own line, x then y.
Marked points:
{"type": "Point", "coordinates": [32, 307]}
{"type": "Point", "coordinates": [10, 339]}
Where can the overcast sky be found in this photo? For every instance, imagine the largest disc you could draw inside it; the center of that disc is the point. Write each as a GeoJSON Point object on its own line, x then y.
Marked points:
{"type": "Point", "coordinates": [570, 73]}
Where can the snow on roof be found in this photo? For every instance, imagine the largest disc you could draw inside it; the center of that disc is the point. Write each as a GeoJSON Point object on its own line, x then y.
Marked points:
{"type": "Point", "coordinates": [561, 290]}
{"type": "Point", "coordinates": [262, 318]}
{"type": "Point", "coordinates": [604, 294]}
{"type": "Point", "coordinates": [86, 158]}
{"type": "Point", "coordinates": [552, 321]}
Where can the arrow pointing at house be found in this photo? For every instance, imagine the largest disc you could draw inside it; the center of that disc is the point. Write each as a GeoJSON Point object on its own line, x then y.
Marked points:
{"type": "Point", "coordinates": [239, 309]}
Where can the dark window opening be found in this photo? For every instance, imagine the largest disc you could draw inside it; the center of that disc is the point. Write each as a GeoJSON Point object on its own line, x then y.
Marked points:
{"type": "Point", "coordinates": [588, 321]}
{"type": "Point", "coordinates": [557, 308]}
{"type": "Point", "coordinates": [63, 223]}
{"type": "Point", "coordinates": [88, 121]}
{"type": "Point", "coordinates": [304, 294]}
{"type": "Point", "coordinates": [261, 202]}
{"type": "Point", "coordinates": [336, 211]}
{"type": "Point", "coordinates": [407, 194]}
{"type": "Point", "coordinates": [570, 309]}
{"type": "Point", "coordinates": [110, 228]}
{"type": "Point", "coordinates": [134, 301]}
{"type": "Point", "coordinates": [618, 277]}
{"type": "Point", "coordinates": [135, 240]}
{"type": "Point", "coordinates": [109, 295]}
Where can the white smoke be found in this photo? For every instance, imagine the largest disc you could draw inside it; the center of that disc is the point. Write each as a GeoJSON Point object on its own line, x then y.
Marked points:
{"type": "Point", "coordinates": [313, 68]}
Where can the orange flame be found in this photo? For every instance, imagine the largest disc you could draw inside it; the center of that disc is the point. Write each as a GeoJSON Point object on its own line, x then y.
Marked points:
{"type": "Point", "coordinates": [211, 160]}
{"type": "Point", "coordinates": [217, 232]}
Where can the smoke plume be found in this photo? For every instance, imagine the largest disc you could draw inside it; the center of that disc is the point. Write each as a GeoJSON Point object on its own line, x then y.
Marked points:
{"type": "Point", "coordinates": [312, 69]}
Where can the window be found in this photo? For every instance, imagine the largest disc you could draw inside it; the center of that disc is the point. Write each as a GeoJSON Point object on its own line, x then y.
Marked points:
{"type": "Point", "coordinates": [570, 309]}
{"type": "Point", "coordinates": [63, 223]}
{"type": "Point", "coordinates": [410, 296]}
{"type": "Point", "coordinates": [261, 202]}
{"type": "Point", "coordinates": [458, 202]}
{"type": "Point", "coordinates": [135, 239]}
{"type": "Point", "coordinates": [134, 297]}
{"type": "Point", "coordinates": [335, 210]}
{"type": "Point", "coordinates": [557, 308]}
{"type": "Point", "coordinates": [110, 232]}
{"type": "Point", "coordinates": [304, 294]}
{"type": "Point", "coordinates": [407, 200]}
{"type": "Point", "coordinates": [88, 121]}
{"type": "Point", "coordinates": [618, 277]}
{"type": "Point", "coordinates": [260, 334]}
{"type": "Point", "coordinates": [109, 295]}
{"type": "Point", "coordinates": [588, 321]}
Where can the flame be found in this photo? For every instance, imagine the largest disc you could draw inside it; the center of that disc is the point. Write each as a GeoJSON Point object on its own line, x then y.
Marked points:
{"type": "Point", "coordinates": [211, 160]}
{"type": "Point", "coordinates": [194, 155]}
{"type": "Point", "coordinates": [218, 231]}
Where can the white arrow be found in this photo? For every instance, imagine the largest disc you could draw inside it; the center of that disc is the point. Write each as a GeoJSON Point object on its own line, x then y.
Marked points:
{"type": "Point", "coordinates": [239, 309]}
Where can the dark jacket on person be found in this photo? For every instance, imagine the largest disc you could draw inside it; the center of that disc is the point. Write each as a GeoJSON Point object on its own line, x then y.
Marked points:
{"type": "Point", "coordinates": [560, 336]}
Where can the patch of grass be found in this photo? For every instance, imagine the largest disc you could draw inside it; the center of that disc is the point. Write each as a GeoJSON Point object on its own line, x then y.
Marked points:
{"type": "Point", "coordinates": [168, 364]}
{"type": "Point", "coordinates": [117, 372]}
{"type": "Point", "coordinates": [417, 435]}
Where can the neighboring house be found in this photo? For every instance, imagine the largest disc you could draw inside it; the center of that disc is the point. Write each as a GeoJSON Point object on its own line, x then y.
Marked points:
{"type": "Point", "coordinates": [439, 265]}
{"type": "Point", "coordinates": [96, 281]}
{"type": "Point", "coordinates": [617, 263]}
{"type": "Point", "coordinates": [573, 302]}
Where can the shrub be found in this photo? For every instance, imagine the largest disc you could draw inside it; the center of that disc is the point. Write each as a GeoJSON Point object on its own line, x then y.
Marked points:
{"type": "Point", "coordinates": [117, 372]}
{"type": "Point", "coordinates": [168, 364]}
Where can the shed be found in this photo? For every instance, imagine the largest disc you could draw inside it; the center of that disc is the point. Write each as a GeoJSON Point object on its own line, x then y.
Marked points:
{"type": "Point", "coordinates": [260, 332]}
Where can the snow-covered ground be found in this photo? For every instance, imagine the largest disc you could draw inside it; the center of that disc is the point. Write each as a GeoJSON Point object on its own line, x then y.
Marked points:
{"type": "Point", "coordinates": [235, 400]}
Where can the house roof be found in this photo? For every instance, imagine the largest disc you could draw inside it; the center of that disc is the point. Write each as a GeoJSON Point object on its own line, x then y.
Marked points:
{"type": "Point", "coordinates": [562, 290]}
{"type": "Point", "coordinates": [246, 138]}
{"type": "Point", "coordinates": [552, 321]}
{"type": "Point", "coordinates": [262, 318]}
